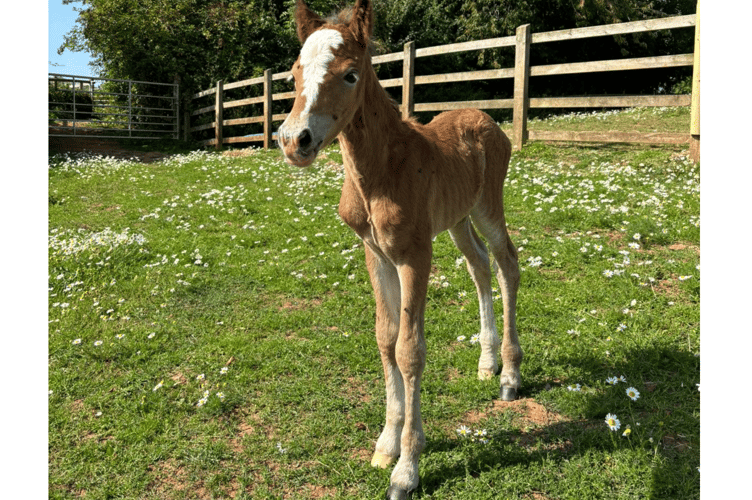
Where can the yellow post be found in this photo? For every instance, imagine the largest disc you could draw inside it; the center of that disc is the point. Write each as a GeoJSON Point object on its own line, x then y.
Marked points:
{"type": "Point", "coordinates": [694, 127]}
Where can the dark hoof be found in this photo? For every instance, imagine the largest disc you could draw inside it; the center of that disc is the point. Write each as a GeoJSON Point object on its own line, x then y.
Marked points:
{"type": "Point", "coordinates": [508, 393]}
{"type": "Point", "coordinates": [395, 493]}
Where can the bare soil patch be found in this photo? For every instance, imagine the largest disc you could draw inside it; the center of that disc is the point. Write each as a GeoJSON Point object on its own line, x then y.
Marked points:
{"type": "Point", "coordinates": [684, 246]}
{"type": "Point", "coordinates": [299, 304]}
{"type": "Point", "coordinates": [168, 477]}
{"type": "Point", "coordinates": [528, 413]}
{"type": "Point", "coordinates": [239, 153]}
{"type": "Point", "coordinates": [533, 422]}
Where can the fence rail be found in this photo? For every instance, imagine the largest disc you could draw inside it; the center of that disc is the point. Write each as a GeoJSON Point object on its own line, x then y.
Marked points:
{"type": "Point", "coordinates": [521, 73]}
{"type": "Point", "coordinates": [112, 108]}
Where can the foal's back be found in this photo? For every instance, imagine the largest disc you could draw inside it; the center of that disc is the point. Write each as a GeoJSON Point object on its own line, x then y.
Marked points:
{"type": "Point", "coordinates": [468, 157]}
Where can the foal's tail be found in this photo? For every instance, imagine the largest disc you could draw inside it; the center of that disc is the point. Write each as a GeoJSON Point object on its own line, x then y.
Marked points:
{"type": "Point", "coordinates": [488, 216]}
{"type": "Point", "coordinates": [498, 149]}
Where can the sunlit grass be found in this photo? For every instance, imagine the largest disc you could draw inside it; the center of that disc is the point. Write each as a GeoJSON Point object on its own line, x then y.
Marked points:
{"type": "Point", "coordinates": [646, 119]}
{"type": "Point", "coordinates": [211, 333]}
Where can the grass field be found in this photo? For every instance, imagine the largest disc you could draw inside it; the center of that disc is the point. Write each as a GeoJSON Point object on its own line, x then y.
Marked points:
{"type": "Point", "coordinates": [211, 333]}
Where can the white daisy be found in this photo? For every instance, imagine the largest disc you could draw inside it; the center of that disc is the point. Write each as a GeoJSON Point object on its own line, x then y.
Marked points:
{"type": "Point", "coordinates": [633, 393]}
{"type": "Point", "coordinates": [612, 422]}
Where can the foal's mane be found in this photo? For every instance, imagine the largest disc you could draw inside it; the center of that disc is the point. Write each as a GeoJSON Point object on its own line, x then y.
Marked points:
{"type": "Point", "coordinates": [343, 18]}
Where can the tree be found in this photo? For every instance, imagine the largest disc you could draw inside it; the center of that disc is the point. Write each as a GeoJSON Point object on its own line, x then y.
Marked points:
{"type": "Point", "coordinates": [202, 41]}
{"type": "Point", "coordinates": [198, 41]}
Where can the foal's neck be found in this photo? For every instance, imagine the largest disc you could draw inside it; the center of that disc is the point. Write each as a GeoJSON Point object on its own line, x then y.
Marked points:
{"type": "Point", "coordinates": [367, 140]}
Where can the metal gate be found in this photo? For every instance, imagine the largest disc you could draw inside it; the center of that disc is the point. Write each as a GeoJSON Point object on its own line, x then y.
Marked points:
{"type": "Point", "coordinates": [110, 108]}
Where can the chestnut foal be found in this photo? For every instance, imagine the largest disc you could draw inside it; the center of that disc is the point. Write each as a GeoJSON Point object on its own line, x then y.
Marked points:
{"type": "Point", "coordinates": [405, 183]}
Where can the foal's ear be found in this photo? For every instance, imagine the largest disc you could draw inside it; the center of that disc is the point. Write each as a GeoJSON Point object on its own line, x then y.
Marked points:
{"type": "Point", "coordinates": [361, 23]}
{"type": "Point", "coordinates": [306, 20]}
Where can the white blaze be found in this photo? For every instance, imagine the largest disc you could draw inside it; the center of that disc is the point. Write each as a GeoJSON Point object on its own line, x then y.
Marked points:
{"type": "Point", "coordinates": [315, 57]}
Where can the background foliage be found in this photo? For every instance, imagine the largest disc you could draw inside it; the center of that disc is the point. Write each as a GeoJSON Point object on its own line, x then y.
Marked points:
{"type": "Point", "coordinates": [202, 41]}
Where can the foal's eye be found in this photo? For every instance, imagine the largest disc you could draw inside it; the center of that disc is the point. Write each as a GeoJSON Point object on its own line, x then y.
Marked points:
{"type": "Point", "coordinates": [351, 77]}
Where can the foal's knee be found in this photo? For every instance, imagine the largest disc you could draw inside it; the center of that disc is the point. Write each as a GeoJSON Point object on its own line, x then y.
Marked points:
{"type": "Point", "coordinates": [411, 355]}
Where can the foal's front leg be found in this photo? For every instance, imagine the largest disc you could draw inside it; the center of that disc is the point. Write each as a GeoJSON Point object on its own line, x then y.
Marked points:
{"type": "Point", "coordinates": [411, 359]}
{"type": "Point", "coordinates": [386, 287]}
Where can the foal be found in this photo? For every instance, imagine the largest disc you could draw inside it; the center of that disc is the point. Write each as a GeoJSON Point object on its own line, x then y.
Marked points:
{"type": "Point", "coordinates": [405, 183]}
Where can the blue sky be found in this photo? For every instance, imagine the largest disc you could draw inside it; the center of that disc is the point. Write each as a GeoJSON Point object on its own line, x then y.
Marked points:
{"type": "Point", "coordinates": [61, 20]}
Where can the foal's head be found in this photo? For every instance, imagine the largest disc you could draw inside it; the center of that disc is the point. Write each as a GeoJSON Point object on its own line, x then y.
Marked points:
{"type": "Point", "coordinates": [327, 75]}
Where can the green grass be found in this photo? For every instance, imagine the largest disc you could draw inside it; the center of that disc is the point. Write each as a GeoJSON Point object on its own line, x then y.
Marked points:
{"type": "Point", "coordinates": [627, 120]}
{"type": "Point", "coordinates": [202, 262]}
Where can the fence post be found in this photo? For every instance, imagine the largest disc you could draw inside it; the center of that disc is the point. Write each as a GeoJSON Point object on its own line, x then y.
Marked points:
{"type": "Point", "coordinates": [694, 127]}
{"type": "Point", "coordinates": [186, 119]}
{"type": "Point", "coordinates": [521, 81]}
{"type": "Point", "coordinates": [130, 108]}
{"type": "Point", "coordinates": [176, 104]}
{"type": "Point", "coordinates": [73, 89]}
{"type": "Point", "coordinates": [268, 109]}
{"type": "Point", "coordinates": [218, 116]}
{"type": "Point", "coordinates": [408, 80]}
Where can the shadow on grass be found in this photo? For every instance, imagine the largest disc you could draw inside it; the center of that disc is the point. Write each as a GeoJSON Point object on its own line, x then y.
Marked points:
{"type": "Point", "coordinates": [668, 412]}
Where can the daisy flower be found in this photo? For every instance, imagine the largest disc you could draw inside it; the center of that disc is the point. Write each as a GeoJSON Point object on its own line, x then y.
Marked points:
{"type": "Point", "coordinates": [622, 378]}
{"type": "Point", "coordinates": [120, 336]}
{"type": "Point", "coordinates": [612, 422]}
{"type": "Point", "coordinates": [475, 338]}
{"type": "Point", "coordinates": [76, 342]}
{"type": "Point", "coordinates": [633, 393]}
{"type": "Point", "coordinates": [575, 388]}
{"type": "Point", "coordinates": [221, 396]}
{"type": "Point", "coordinates": [461, 338]}
{"type": "Point", "coordinates": [627, 432]}
{"type": "Point", "coordinates": [158, 386]}
{"type": "Point", "coordinates": [612, 380]}
{"type": "Point", "coordinates": [200, 377]}
{"type": "Point", "coordinates": [97, 343]}
{"type": "Point", "coordinates": [151, 335]}
{"type": "Point", "coordinates": [463, 430]}
{"type": "Point", "coordinates": [223, 370]}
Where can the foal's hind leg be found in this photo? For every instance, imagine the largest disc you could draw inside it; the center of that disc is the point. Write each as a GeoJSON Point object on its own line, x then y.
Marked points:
{"type": "Point", "coordinates": [467, 240]}
{"type": "Point", "coordinates": [491, 223]}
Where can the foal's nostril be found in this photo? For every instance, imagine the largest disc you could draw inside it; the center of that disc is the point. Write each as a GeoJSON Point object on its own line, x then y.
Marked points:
{"type": "Point", "coordinates": [304, 139]}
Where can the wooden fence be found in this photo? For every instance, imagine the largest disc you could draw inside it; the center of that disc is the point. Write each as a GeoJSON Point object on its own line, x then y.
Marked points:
{"type": "Point", "coordinates": [520, 103]}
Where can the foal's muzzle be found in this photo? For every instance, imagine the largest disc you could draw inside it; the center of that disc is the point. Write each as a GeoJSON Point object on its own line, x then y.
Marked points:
{"type": "Point", "coordinates": [302, 137]}
{"type": "Point", "coordinates": [299, 149]}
